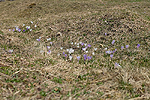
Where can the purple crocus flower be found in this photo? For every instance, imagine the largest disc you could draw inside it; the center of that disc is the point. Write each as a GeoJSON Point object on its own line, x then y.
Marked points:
{"type": "Point", "coordinates": [89, 45]}
{"type": "Point", "coordinates": [51, 43]}
{"type": "Point", "coordinates": [85, 57]}
{"type": "Point", "coordinates": [113, 51]}
{"type": "Point", "coordinates": [89, 57]}
{"type": "Point", "coordinates": [105, 34]}
{"type": "Point", "coordinates": [19, 30]}
{"type": "Point", "coordinates": [109, 52]}
{"type": "Point", "coordinates": [24, 30]}
{"type": "Point", "coordinates": [111, 55]}
{"type": "Point", "coordinates": [63, 53]}
{"type": "Point", "coordinates": [82, 44]}
{"type": "Point", "coordinates": [122, 47]}
{"type": "Point", "coordinates": [113, 42]}
{"type": "Point", "coordinates": [9, 29]}
{"type": "Point", "coordinates": [138, 45]}
{"type": "Point", "coordinates": [127, 46]}
{"type": "Point", "coordinates": [78, 57]}
{"type": "Point", "coordinates": [13, 30]}
{"type": "Point", "coordinates": [49, 51]}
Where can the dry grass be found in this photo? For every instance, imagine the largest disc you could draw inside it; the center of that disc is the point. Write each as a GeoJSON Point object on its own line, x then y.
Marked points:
{"type": "Point", "coordinates": [29, 72]}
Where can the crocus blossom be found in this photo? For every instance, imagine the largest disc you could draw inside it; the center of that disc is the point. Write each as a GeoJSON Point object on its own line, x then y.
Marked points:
{"type": "Point", "coordinates": [48, 47]}
{"type": "Point", "coordinates": [117, 65]}
{"type": "Point", "coordinates": [19, 30]}
{"type": "Point", "coordinates": [70, 57]}
{"type": "Point", "coordinates": [85, 56]}
{"type": "Point", "coordinates": [82, 44]}
{"type": "Point", "coordinates": [138, 45]}
{"type": "Point", "coordinates": [127, 46]}
{"type": "Point", "coordinates": [61, 48]}
{"type": "Point", "coordinates": [49, 51]}
{"type": "Point", "coordinates": [51, 43]}
{"type": "Point", "coordinates": [89, 45]}
{"type": "Point", "coordinates": [31, 22]}
{"type": "Point", "coordinates": [111, 55]}
{"type": "Point", "coordinates": [10, 51]}
{"type": "Point", "coordinates": [109, 52]}
{"type": "Point", "coordinates": [38, 39]}
{"type": "Point", "coordinates": [93, 53]}
{"type": "Point", "coordinates": [122, 47]}
{"type": "Point", "coordinates": [89, 57]}
{"type": "Point", "coordinates": [78, 57]}
{"type": "Point", "coordinates": [95, 49]}
{"type": "Point", "coordinates": [70, 50]}
{"type": "Point", "coordinates": [65, 55]}
{"type": "Point", "coordinates": [84, 49]}
{"type": "Point", "coordinates": [113, 42]}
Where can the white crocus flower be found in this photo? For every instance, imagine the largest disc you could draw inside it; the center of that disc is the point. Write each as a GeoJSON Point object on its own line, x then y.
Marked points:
{"type": "Point", "coordinates": [58, 54]}
{"type": "Point", "coordinates": [83, 49]}
{"type": "Point", "coordinates": [72, 43]}
{"type": "Point", "coordinates": [31, 22]}
{"type": "Point", "coordinates": [95, 49]}
{"type": "Point", "coordinates": [86, 51]}
{"type": "Point", "coordinates": [109, 52]}
{"type": "Point", "coordinates": [17, 28]}
{"type": "Point", "coordinates": [48, 39]}
{"type": "Point", "coordinates": [117, 65]}
{"type": "Point", "coordinates": [105, 49]}
{"type": "Point", "coordinates": [71, 51]}
{"type": "Point", "coordinates": [35, 26]}
{"type": "Point", "coordinates": [70, 57]}
{"type": "Point", "coordinates": [10, 51]}
{"type": "Point", "coordinates": [48, 47]}
{"type": "Point", "coordinates": [61, 48]}
{"type": "Point", "coordinates": [93, 53]}
{"type": "Point", "coordinates": [30, 29]}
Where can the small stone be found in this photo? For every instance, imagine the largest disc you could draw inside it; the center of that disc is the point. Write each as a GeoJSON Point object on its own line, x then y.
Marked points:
{"type": "Point", "coordinates": [59, 34]}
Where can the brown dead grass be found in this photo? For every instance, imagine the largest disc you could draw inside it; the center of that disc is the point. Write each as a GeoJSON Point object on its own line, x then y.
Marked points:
{"type": "Point", "coordinates": [79, 81]}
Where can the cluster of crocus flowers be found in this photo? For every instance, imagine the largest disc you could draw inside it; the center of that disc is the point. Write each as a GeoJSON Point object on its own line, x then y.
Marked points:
{"type": "Point", "coordinates": [38, 39]}
{"type": "Point", "coordinates": [23, 30]}
{"type": "Point", "coordinates": [87, 57]}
